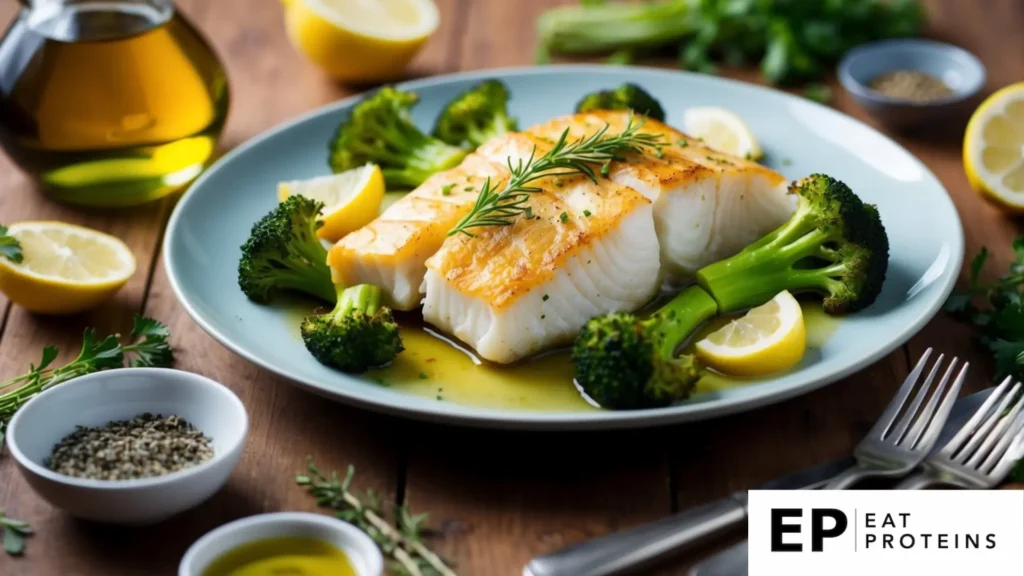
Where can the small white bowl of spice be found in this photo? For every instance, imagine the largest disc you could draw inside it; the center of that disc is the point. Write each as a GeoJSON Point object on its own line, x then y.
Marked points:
{"type": "Point", "coordinates": [129, 446]}
{"type": "Point", "coordinates": [913, 82]}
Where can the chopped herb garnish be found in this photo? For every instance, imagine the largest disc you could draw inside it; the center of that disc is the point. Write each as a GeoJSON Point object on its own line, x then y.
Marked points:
{"type": "Point", "coordinates": [586, 213]}
{"type": "Point", "coordinates": [563, 217]}
{"type": "Point", "coordinates": [447, 189]}
{"type": "Point", "coordinates": [545, 298]}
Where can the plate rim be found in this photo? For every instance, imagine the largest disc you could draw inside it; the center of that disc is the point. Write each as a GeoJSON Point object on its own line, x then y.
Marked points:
{"type": "Point", "coordinates": [481, 417]}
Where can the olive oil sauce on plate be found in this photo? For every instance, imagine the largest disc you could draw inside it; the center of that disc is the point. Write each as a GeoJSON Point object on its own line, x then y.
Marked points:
{"type": "Point", "coordinates": [436, 366]}
{"type": "Point", "coordinates": [109, 103]}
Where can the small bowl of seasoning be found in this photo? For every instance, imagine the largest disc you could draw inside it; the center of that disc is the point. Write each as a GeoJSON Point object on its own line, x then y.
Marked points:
{"type": "Point", "coordinates": [283, 543]}
{"type": "Point", "coordinates": [911, 83]}
{"type": "Point", "coordinates": [129, 446]}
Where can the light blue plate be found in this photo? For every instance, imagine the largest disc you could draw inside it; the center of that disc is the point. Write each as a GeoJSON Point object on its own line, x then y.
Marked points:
{"type": "Point", "coordinates": [799, 137]}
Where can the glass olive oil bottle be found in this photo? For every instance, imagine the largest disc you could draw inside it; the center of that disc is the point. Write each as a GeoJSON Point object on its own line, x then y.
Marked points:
{"type": "Point", "coordinates": [109, 103]}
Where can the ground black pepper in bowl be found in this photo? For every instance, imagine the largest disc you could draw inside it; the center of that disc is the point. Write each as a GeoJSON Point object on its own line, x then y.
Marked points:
{"type": "Point", "coordinates": [912, 85]}
{"type": "Point", "coordinates": [143, 447]}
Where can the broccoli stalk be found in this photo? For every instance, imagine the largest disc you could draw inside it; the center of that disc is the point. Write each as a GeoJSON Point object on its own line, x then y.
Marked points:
{"type": "Point", "coordinates": [624, 363]}
{"type": "Point", "coordinates": [283, 253]}
{"type": "Point", "coordinates": [357, 335]}
{"type": "Point", "coordinates": [834, 245]}
{"type": "Point", "coordinates": [625, 97]}
{"type": "Point", "coordinates": [475, 116]}
{"type": "Point", "coordinates": [380, 130]}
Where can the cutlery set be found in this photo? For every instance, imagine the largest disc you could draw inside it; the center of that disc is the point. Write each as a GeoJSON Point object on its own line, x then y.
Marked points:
{"type": "Point", "coordinates": [971, 443]}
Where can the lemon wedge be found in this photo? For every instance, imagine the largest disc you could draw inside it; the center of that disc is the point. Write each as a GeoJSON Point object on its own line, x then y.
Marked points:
{"type": "Point", "coordinates": [994, 148]}
{"type": "Point", "coordinates": [360, 41]}
{"type": "Point", "coordinates": [351, 198]}
{"type": "Point", "coordinates": [767, 339]}
{"type": "Point", "coordinates": [65, 268]}
{"type": "Point", "coordinates": [722, 130]}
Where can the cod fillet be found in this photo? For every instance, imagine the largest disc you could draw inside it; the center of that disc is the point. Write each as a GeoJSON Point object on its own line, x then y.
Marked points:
{"type": "Point", "coordinates": [707, 205]}
{"type": "Point", "coordinates": [511, 291]}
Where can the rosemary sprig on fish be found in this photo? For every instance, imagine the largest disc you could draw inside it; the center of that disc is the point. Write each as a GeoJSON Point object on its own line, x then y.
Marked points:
{"type": "Point", "coordinates": [501, 206]}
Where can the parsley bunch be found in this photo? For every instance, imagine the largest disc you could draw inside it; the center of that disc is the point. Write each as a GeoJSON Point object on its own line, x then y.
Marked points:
{"type": "Point", "coordinates": [795, 41]}
{"type": "Point", "coordinates": [995, 311]}
{"type": "Point", "coordinates": [149, 347]}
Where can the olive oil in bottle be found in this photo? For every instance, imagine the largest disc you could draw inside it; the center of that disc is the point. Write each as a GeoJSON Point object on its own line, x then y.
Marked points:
{"type": "Point", "coordinates": [109, 103]}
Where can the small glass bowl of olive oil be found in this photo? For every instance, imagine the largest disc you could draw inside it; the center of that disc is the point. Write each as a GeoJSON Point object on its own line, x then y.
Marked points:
{"type": "Point", "coordinates": [293, 543]}
{"type": "Point", "coordinates": [109, 102]}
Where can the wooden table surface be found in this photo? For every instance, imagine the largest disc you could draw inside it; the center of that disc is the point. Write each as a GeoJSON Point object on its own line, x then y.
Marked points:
{"type": "Point", "coordinates": [497, 498]}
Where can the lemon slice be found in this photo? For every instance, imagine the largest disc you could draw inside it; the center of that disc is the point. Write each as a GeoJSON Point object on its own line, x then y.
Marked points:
{"type": "Point", "coordinates": [360, 40]}
{"type": "Point", "coordinates": [994, 148]}
{"type": "Point", "coordinates": [65, 268]}
{"type": "Point", "coordinates": [351, 199]}
{"type": "Point", "coordinates": [767, 339]}
{"type": "Point", "coordinates": [722, 130]}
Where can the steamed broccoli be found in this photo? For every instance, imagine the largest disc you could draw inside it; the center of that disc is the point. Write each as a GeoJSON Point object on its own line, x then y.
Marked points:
{"type": "Point", "coordinates": [625, 97]}
{"type": "Point", "coordinates": [380, 130]}
{"type": "Point", "coordinates": [283, 253]}
{"type": "Point", "coordinates": [358, 334]}
{"type": "Point", "coordinates": [834, 245]}
{"type": "Point", "coordinates": [624, 363]}
{"type": "Point", "coordinates": [475, 116]}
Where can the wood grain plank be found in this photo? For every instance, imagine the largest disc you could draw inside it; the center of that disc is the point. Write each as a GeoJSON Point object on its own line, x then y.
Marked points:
{"type": "Point", "coordinates": [287, 425]}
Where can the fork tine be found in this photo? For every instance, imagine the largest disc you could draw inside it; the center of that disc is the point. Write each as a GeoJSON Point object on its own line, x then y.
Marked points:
{"type": "Point", "coordinates": [933, 423]}
{"type": "Point", "coordinates": [1009, 459]}
{"type": "Point", "coordinates": [910, 414]}
{"type": "Point", "coordinates": [967, 429]}
{"type": "Point", "coordinates": [885, 421]}
{"type": "Point", "coordinates": [1014, 423]}
{"type": "Point", "coordinates": [984, 431]}
{"type": "Point", "coordinates": [1001, 430]}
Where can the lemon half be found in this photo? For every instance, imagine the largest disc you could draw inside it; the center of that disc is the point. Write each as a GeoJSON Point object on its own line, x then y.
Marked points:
{"type": "Point", "coordinates": [994, 148]}
{"type": "Point", "coordinates": [66, 268]}
{"type": "Point", "coordinates": [722, 130]}
{"type": "Point", "coordinates": [360, 41]}
{"type": "Point", "coordinates": [351, 198]}
{"type": "Point", "coordinates": [767, 339]}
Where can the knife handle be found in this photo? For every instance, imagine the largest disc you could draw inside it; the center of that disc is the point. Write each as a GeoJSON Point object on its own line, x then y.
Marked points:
{"type": "Point", "coordinates": [635, 548]}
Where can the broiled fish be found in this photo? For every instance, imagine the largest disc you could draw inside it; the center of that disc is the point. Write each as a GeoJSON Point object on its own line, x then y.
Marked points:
{"type": "Point", "coordinates": [707, 205]}
{"type": "Point", "coordinates": [511, 291]}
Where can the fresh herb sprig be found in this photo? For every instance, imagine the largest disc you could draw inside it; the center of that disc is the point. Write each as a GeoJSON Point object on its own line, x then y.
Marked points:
{"type": "Point", "coordinates": [10, 248]}
{"type": "Point", "coordinates": [401, 541]}
{"type": "Point", "coordinates": [995, 310]}
{"type": "Point", "coordinates": [14, 534]}
{"type": "Point", "coordinates": [149, 347]}
{"type": "Point", "coordinates": [500, 206]}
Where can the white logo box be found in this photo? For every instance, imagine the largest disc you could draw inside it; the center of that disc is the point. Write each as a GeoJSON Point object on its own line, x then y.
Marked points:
{"type": "Point", "coordinates": [934, 532]}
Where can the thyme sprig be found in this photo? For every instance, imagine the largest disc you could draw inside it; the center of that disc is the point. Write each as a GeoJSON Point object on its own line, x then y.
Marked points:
{"type": "Point", "coordinates": [14, 534]}
{"type": "Point", "coordinates": [149, 347]}
{"type": "Point", "coordinates": [401, 541]}
{"type": "Point", "coordinates": [497, 206]}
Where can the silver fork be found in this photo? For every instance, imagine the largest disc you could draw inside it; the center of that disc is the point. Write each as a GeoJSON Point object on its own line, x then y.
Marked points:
{"type": "Point", "coordinates": [983, 451]}
{"type": "Point", "coordinates": [629, 549]}
{"type": "Point", "coordinates": [905, 433]}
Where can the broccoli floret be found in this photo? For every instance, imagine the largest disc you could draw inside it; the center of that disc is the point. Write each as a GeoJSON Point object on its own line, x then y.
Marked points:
{"type": "Point", "coordinates": [625, 97]}
{"type": "Point", "coordinates": [834, 245]}
{"type": "Point", "coordinates": [357, 335]}
{"type": "Point", "coordinates": [380, 130]}
{"type": "Point", "coordinates": [283, 253]}
{"type": "Point", "coordinates": [475, 116]}
{"type": "Point", "coordinates": [624, 363]}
